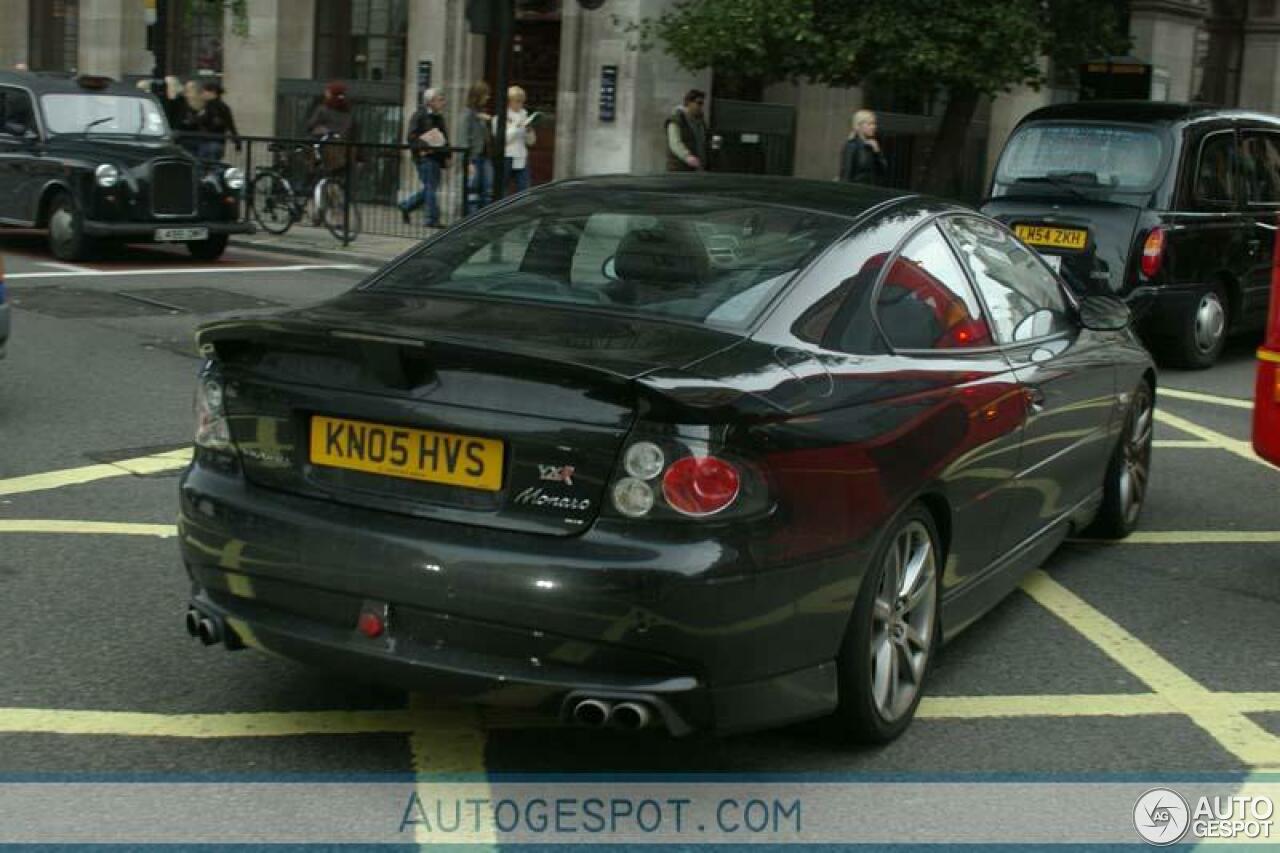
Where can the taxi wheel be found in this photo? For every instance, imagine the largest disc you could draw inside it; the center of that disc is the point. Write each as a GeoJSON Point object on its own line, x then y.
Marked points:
{"type": "Point", "coordinates": [210, 249]}
{"type": "Point", "coordinates": [67, 239]}
{"type": "Point", "coordinates": [1204, 331]}
{"type": "Point", "coordinates": [892, 634]}
{"type": "Point", "coordinates": [1128, 474]}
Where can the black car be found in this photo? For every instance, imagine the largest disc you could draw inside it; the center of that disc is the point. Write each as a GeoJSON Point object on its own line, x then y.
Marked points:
{"type": "Point", "coordinates": [92, 160]}
{"type": "Point", "coordinates": [708, 452]}
{"type": "Point", "coordinates": [1172, 207]}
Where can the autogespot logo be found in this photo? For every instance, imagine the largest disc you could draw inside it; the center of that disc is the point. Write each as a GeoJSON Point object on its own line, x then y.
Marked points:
{"type": "Point", "coordinates": [1161, 816]}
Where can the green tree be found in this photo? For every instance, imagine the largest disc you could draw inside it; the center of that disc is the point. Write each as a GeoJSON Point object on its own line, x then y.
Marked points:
{"type": "Point", "coordinates": [962, 49]}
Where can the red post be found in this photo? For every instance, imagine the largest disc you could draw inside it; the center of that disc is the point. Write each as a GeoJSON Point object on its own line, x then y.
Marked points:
{"type": "Point", "coordinates": [1266, 404]}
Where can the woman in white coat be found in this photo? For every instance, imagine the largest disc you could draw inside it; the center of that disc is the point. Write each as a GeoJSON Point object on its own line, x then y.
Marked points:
{"type": "Point", "coordinates": [520, 136]}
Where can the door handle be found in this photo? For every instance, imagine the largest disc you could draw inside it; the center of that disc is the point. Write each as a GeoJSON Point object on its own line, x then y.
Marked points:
{"type": "Point", "coordinates": [1035, 399]}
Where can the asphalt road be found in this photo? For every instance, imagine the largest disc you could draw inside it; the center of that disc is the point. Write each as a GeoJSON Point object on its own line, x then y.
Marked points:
{"type": "Point", "coordinates": [1157, 655]}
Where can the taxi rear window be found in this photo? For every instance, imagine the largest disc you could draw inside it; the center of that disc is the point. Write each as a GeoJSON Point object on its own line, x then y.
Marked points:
{"type": "Point", "coordinates": [1105, 156]}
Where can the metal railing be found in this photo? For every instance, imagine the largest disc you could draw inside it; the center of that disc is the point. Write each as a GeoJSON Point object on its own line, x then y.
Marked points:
{"type": "Point", "coordinates": [377, 177]}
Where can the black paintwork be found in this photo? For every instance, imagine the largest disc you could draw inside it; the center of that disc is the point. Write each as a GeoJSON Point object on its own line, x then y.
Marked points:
{"type": "Point", "coordinates": [733, 621]}
{"type": "Point", "coordinates": [1208, 243]}
{"type": "Point", "coordinates": [36, 167]}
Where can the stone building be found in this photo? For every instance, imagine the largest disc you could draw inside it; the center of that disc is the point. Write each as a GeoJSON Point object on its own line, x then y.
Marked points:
{"type": "Point", "coordinates": [604, 101]}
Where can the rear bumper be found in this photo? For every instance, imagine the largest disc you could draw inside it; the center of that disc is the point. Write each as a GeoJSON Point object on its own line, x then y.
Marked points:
{"type": "Point", "coordinates": [141, 231]}
{"type": "Point", "coordinates": [513, 618]}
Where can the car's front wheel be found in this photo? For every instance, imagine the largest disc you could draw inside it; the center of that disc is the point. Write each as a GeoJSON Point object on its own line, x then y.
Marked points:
{"type": "Point", "coordinates": [1124, 492]}
{"type": "Point", "coordinates": [67, 239]}
{"type": "Point", "coordinates": [210, 249]}
{"type": "Point", "coordinates": [892, 634]}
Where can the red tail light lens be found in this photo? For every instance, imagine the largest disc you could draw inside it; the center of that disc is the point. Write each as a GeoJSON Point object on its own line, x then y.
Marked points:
{"type": "Point", "coordinates": [1153, 253]}
{"type": "Point", "coordinates": [700, 485]}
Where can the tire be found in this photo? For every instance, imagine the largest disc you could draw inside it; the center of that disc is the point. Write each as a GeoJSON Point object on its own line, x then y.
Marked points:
{"type": "Point", "coordinates": [1124, 490]}
{"type": "Point", "coordinates": [271, 202]}
{"type": "Point", "coordinates": [877, 697]}
{"type": "Point", "coordinates": [332, 201]}
{"type": "Point", "coordinates": [210, 249]}
{"type": "Point", "coordinates": [1203, 332]}
{"type": "Point", "coordinates": [67, 240]}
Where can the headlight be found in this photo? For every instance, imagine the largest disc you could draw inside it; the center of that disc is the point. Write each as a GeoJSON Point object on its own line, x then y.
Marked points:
{"type": "Point", "coordinates": [106, 175]}
{"type": "Point", "coordinates": [233, 178]}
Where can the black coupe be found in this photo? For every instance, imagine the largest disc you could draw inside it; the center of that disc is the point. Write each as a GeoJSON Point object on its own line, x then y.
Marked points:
{"type": "Point", "coordinates": [699, 452]}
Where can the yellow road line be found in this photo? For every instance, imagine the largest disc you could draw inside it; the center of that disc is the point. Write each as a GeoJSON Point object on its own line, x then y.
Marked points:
{"type": "Point", "coordinates": [154, 464]}
{"type": "Point", "coordinates": [96, 528]}
{"type": "Point", "coordinates": [1232, 402]}
{"type": "Point", "coordinates": [1239, 735]}
{"type": "Point", "coordinates": [1201, 537]}
{"type": "Point", "coordinates": [1240, 448]}
{"type": "Point", "coordinates": [991, 707]}
{"type": "Point", "coordinates": [1192, 444]}
{"type": "Point", "coordinates": [435, 750]}
{"type": "Point", "coordinates": [243, 725]}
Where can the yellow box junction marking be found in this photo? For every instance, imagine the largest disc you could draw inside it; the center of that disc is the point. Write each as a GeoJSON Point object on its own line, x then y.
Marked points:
{"type": "Point", "coordinates": [1223, 442]}
{"type": "Point", "coordinates": [1196, 396]}
{"type": "Point", "coordinates": [154, 464]}
{"type": "Point", "coordinates": [95, 528]}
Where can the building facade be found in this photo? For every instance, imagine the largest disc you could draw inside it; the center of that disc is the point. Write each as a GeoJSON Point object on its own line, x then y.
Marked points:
{"type": "Point", "coordinates": [603, 102]}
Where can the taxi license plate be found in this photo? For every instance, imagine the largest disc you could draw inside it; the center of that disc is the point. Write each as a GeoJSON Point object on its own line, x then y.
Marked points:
{"type": "Point", "coordinates": [412, 454]}
{"type": "Point", "coordinates": [178, 235]}
{"type": "Point", "coordinates": [1053, 238]}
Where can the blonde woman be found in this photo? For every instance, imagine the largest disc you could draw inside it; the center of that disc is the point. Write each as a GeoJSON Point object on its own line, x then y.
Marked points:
{"type": "Point", "coordinates": [520, 136]}
{"type": "Point", "coordinates": [862, 161]}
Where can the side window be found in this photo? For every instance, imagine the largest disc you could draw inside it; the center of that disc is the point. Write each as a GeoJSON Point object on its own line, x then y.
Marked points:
{"type": "Point", "coordinates": [925, 302]}
{"type": "Point", "coordinates": [1025, 300]}
{"type": "Point", "coordinates": [1260, 166]}
{"type": "Point", "coordinates": [16, 117]}
{"type": "Point", "coordinates": [1215, 168]}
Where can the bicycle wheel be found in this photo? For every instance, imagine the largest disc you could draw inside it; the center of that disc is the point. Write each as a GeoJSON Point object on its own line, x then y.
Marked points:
{"type": "Point", "coordinates": [271, 201]}
{"type": "Point", "coordinates": [332, 199]}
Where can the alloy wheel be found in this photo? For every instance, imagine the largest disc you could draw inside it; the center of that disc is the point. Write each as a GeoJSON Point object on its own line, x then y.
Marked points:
{"type": "Point", "coordinates": [62, 229]}
{"type": "Point", "coordinates": [902, 621]}
{"type": "Point", "coordinates": [1136, 463]}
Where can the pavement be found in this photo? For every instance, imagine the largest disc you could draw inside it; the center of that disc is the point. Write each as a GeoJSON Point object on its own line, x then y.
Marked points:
{"type": "Point", "coordinates": [317, 243]}
{"type": "Point", "coordinates": [1156, 655]}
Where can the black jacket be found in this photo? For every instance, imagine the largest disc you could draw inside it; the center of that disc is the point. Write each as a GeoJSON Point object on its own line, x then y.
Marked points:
{"type": "Point", "coordinates": [424, 120]}
{"type": "Point", "coordinates": [694, 135]}
{"type": "Point", "coordinates": [216, 118]}
{"type": "Point", "coordinates": [861, 165]}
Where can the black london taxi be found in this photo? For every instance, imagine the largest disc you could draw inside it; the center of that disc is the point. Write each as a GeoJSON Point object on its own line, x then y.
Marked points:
{"type": "Point", "coordinates": [1172, 207]}
{"type": "Point", "coordinates": [92, 160]}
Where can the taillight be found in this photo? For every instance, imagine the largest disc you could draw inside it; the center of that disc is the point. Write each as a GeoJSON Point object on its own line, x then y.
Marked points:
{"type": "Point", "coordinates": [700, 485]}
{"type": "Point", "coordinates": [1153, 253]}
{"type": "Point", "coordinates": [677, 477]}
{"type": "Point", "coordinates": [212, 430]}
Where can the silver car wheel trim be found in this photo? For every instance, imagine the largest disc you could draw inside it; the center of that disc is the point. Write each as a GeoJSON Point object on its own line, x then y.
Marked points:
{"type": "Point", "coordinates": [1211, 322]}
{"type": "Point", "coordinates": [1137, 458]}
{"type": "Point", "coordinates": [902, 620]}
{"type": "Point", "coordinates": [61, 227]}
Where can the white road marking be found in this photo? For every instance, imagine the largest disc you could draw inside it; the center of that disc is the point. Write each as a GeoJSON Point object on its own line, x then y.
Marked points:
{"type": "Point", "coordinates": [64, 267]}
{"type": "Point", "coordinates": [186, 271]}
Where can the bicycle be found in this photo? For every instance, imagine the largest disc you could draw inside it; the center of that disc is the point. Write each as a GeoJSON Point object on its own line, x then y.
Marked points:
{"type": "Point", "coordinates": [275, 205]}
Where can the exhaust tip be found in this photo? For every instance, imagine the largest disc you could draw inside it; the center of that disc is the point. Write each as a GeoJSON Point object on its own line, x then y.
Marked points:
{"type": "Point", "coordinates": [631, 716]}
{"type": "Point", "coordinates": [192, 622]}
{"type": "Point", "coordinates": [592, 713]}
{"type": "Point", "coordinates": [208, 632]}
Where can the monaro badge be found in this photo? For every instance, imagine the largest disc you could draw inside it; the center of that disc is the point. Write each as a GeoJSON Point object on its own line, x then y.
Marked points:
{"type": "Point", "coordinates": [556, 474]}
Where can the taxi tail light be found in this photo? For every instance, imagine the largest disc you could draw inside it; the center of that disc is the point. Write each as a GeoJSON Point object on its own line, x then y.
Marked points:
{"type": "Point", "coordinates": [1153, 253]}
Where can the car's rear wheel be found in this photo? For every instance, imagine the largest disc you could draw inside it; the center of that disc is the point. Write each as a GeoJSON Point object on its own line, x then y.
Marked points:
{"type": "Point", "coordinates": [892, 634]}
{"type": "Point", "coordinates": [67, 239]}
{"type": "Point", "coordinates": [1203, 332]}
{"type": "Point", "coordinates": [210, 249]}
{"type": "Point", "coordinates": [1124, 491]}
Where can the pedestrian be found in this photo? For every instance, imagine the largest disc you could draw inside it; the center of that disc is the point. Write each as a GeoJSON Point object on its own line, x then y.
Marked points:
{"type": "Point", "coordinates": [862, 161]}
{"type": "Point", "coordinates": [429, 146]}
{"type": "Point", "coordinates": [477, 138]}
{"type": "Point", "coordinates": [688, 140]}
{"type": "Point", "coordinates": [183, 106]}
{"type": "Point", "coordinates": [216, 122]}
{"type": "Point", "coordinates": [520, 136]}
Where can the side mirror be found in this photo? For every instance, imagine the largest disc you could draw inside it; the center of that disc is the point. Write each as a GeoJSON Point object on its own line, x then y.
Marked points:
{"type": "Point", "coordinates": [1105, 314]}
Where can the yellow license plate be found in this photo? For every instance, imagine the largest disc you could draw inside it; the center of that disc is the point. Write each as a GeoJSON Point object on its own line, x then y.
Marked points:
{"type": "Point", "coordinates": [1053, 238]}
{"type": "Point", "coordinates": [414, 454]}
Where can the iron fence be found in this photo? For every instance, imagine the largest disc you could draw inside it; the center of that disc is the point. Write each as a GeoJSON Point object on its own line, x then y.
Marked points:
{"type": "Point", "coordinates": [379, 177]}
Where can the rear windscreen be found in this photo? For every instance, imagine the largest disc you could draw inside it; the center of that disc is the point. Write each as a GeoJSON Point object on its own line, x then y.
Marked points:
{"type": "Point", "coordinates": [1106, 156]}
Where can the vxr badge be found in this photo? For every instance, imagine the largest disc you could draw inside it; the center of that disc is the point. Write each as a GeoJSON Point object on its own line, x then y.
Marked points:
{"type": "Point", "coordinates": [556, 473]}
